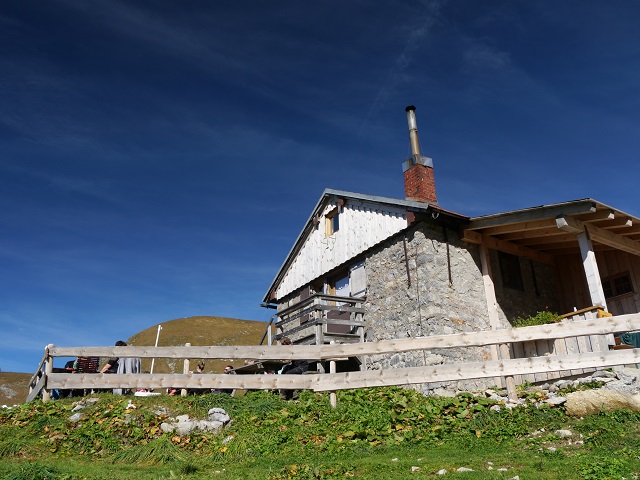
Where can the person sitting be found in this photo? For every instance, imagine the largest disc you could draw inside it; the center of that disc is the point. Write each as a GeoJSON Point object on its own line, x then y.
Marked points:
{"type": "Point", "coordinates": [112, 364]}
{"type": "Point", "coordinates": [227, 391]}
{"type": "Point", "coordinates": [126, 366]}
{"type": "Point", "coordinates": [200, 368]}
{"type": "Point", "coordinates": [198, 391]}
{"type": "Point", "coordinates": [296, 367]}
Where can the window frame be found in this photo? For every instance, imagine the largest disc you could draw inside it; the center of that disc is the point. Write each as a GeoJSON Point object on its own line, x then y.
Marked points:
{"type": "Point", "coordinates": [332, 222]}
{"type": "Point", "coordinates": [612, 290]}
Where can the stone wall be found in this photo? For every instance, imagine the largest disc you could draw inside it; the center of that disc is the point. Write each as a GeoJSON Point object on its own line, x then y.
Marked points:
{"type": "Point", "coordinates": [423, 302]}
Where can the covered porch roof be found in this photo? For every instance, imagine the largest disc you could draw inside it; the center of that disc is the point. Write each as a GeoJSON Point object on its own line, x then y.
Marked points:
{"type": "Point", "coordinates": [541, 233]}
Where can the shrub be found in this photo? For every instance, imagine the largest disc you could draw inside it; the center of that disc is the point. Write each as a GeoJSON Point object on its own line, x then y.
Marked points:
{"type": "Point", "coordinates": [541, 318]}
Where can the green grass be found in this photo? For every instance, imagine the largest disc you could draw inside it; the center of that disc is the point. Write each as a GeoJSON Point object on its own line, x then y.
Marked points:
{"type": "Point", "coordinates": [373, 434]}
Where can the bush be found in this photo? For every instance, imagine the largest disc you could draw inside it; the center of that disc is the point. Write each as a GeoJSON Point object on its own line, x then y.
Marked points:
{"type": "Point", "coordinates": [541, 318]}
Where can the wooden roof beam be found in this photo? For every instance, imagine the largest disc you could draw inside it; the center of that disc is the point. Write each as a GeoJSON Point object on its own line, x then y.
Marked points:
{"type": "Point", "coordinates": [542, 233]}
{"type": "Point", "coordinates": [532, 214]}
{"type": "Point", "coordinates": [520, 227]}
{"type": "Point", "coordinates": [566, 238]}
{"type": "Point", "coordinates": [600, 235]}
{"type": "Point", "coordinates": [623, 222]}
{"type": "Point", "coordinates": [507, 247]}
{"type": "Point", "coordinates": [598, 216]}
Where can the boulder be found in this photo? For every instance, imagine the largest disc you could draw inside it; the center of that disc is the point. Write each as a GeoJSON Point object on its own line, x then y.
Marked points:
{"type": "Point", "coordinates": [587, 402]}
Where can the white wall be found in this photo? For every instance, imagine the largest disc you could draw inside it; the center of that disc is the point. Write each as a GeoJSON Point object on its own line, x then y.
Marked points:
{"type": "Point", "coordinates": [363, 224]}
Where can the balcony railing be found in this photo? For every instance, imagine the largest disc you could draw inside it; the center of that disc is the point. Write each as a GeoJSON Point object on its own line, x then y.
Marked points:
{"type": "Point", "coordinates": [321, 319]}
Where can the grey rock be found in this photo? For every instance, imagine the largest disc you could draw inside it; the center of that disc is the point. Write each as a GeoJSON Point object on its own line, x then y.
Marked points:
{"type": "Point", "coordinates": [443, 392]}
{"type": "Point", "coordinates": [167, 427]}
{"type": "Point", "coordinates": [555, 400]}
{"type": "Point", "coordinates": [587, 402]}
{"type": "Point", "coordinates": [218, 415]}
{"type": "Point", "coordinates": [76, 417]}
{"type": "Point", "coordinates": [562, 433]}
{"type": "Point", "coordinates": [465, 469]}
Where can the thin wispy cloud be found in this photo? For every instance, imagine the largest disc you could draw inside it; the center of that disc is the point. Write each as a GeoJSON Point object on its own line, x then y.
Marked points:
{"type": "Point", "coordinates": [416, 34]}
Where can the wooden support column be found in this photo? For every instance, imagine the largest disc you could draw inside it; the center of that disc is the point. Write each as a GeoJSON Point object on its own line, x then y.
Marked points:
{"type": "Point", "coordinates": [48, 369]}
{"type": "Point", "coordinates": [591, 270]}
{"type": "Point", "coordinates": [494, 319]}
{"type": "Point", "coordinates": [185, 370]}
{"type": "Point", "coordinates": [583, 232]}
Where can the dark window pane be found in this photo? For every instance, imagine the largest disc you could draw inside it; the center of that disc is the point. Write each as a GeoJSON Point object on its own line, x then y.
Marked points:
{"type": "Point", "coordinates": [510, 270]}
{"type": "Point", "coordinates": [623, 285]}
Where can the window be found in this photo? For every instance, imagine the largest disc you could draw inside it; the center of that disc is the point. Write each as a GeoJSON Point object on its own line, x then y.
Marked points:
{"type": "Point", "coordinates": [510, 271]}
{"type": "Point", "coordinates": [333, 222]}
{"type": "Point", "coordinates": [617, 285]}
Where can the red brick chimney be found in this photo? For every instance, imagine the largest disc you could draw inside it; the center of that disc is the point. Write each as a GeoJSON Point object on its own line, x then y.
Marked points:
{"type": "Point", "coordinates": [419, 183]}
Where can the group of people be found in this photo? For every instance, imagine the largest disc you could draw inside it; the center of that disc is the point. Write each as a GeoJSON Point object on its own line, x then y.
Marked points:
{"type": "Point", "coordinates": [132, 365]}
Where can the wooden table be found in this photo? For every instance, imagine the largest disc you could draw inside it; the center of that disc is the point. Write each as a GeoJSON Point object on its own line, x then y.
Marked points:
{"type": "Point", "coordinates": [262, 366]}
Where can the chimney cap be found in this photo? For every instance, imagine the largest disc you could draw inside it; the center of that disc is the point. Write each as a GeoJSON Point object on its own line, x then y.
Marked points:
{"type": "Point", "coordinates": [410, 107]}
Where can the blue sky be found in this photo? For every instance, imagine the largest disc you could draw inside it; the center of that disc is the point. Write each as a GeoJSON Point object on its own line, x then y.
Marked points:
{"type": "Point", "coordinates": [158, 159]}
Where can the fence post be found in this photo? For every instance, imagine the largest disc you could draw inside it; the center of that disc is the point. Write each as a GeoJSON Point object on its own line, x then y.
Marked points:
{"type": "Point", "coordinates": [512, 392]}
{"type": "Point", "coordinates": [332, 370]}
{"type": "Point", "coordinates": [48, 368]}
{"type": "Point", "coordinates": [185, 370]}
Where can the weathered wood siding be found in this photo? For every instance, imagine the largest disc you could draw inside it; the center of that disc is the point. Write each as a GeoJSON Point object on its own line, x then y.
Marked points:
{"type": "Point", "coordinates": [362, 225]}
{"type": "Point", "coordinates": [573, 286]}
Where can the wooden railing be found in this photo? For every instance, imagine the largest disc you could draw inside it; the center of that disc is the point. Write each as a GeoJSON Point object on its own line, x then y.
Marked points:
{"type": "Point", "coordinates": [564, 346]}
{"type": "Point", "coordinates": [331, 352]}
{"type": "Point", "coordinates": [321, 319]}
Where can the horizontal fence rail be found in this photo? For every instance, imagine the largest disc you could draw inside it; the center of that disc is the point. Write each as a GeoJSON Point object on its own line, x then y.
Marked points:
{"type": "Point", "coordinates": [622, 323]}
{"type": "Point", "coordinates": [341, 381]}
{"type": "Point", "coordinates": [359, 379]}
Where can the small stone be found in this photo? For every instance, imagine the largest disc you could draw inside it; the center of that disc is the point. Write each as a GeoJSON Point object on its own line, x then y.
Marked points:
{"type": "Point", "coordinates": [551, 449]}
{"type": "Point", "coordinates": [464, 469]}
{"type": "Point", "coordinates": [76, 417]}
{"type": "Point", "coordinates": [555, 400]}
{"type": "Point", "coordinates": [394, 459]}
{"type": "Point", "coordinates": [442, 472]}
{"type": "Point", "coordinates": [415, 469]}
{"type": "Point", "coordinates": [502, 469]}
{"type": "Point", "coordinates": [182, 418]}
{"type": "Point", "coordinates": [517, 477]}
{"type": "Point", "coordinates": [218, 415]}
{"type": "Point", "coordinates": [167, 427]}
{"type": "Point", "coordinates": [562, 433]}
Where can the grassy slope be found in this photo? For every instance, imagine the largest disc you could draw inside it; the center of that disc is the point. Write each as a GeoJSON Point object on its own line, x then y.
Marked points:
{"type": "Point", "coordinates": [373, 434]}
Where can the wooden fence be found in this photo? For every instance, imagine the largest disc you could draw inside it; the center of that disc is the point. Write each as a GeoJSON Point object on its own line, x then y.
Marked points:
{"type": "Point", "coordinates": [563, 346]}
{"type": "Point", "coordinates": [45, 380]}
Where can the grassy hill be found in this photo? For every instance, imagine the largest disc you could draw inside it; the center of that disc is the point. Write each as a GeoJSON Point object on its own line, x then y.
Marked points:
{"type": "Point", "coordinates": [201, 331]}
{"type": "Point", "coordinates": [13, 387]}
